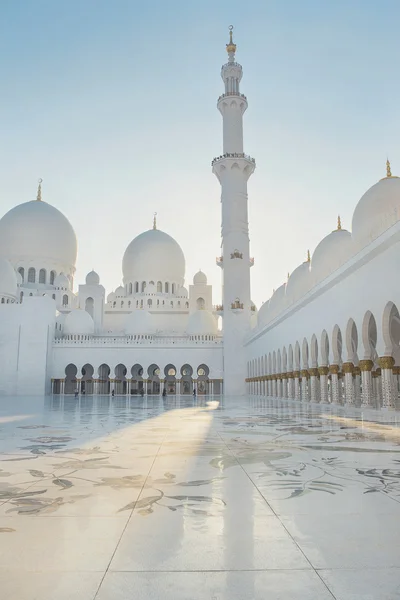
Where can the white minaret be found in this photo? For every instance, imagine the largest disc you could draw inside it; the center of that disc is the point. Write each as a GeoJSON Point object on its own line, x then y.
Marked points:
{"type": "Point", "coordinates": [233, 169]}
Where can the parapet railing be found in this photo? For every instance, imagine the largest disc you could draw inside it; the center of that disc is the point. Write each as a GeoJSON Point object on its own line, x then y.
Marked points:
{"type": "Point", "coordinates": [138, 340]}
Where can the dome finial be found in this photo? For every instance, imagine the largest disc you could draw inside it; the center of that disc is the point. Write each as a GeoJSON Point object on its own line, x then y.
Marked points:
{"type": "Point", "coordinates": [339, 223]}
{"type": "Point", "coordinates": [231, 47]}
{"type": "Point", "coordinates": [39, 191]}
{"type": "Point", "coordinates": [308, 256]}
{"type": "Point", "coordinates": [155, 221]}
{"type": "Point", "coordinates": [388, 169]}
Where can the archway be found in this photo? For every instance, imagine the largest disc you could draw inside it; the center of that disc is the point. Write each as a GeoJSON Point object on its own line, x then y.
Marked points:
{"type": "Point", "coordinates": [170, 379]}
{"type": "Point", "coordinates": [120, 384]}
{"type": "Point", "coordinates": [369, 336]}
{"type": "Point", "coordinates": [200, 303]}
{"type": "Point", "coordinates": [89, 306]}
{"type": "Point", "coordinates": [202, 379]}
{"type": "Point", "coordinates": [87, 379]}
{"type": "Point", "coordinates": [352, 342]}
{"type": "Point", "coordinates": [137, 379]}
{"type": "Point", "coordinates": [337, 345]}
{"type": "Point", "coordinates": [314, 351]}
{"type": "Point", "coordinates": [153, 385]}
{"type": "Point", "coordinates": [70, 379]}
{"type": "Point", "coordinates": [104, 379]}
{"type": "Point", "coordinates": [391, 331]}
{"type": "Point", "coordinates": [324, 349]}
{"type": "Point", "coordinates": [186, 380]}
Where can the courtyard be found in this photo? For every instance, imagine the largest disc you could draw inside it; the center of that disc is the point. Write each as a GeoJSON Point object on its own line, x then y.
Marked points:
{"type": "Point", "coordinates": [204, 499]}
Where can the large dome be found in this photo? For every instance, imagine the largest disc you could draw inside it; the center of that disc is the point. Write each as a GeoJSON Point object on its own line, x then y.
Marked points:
{"type": "Point", "coordinates": [154, 256]}
{"type": "Point", "coordinates": [330, 254]}
{"type": "Point", "coordinates": [78, 321]}
{"type": "Point", "coordinates": [202, 322]}
{"type": "Point", "coordinates": [37, 230]}
{"type": "Point", "coordinates": [139, 322]}
{"type": "Point", "coordinates": [8, 280]}
{"type": "Point", "coordinates": [377, 210]}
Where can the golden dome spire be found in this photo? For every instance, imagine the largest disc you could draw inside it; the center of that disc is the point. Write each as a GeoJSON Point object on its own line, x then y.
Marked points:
{"type": "Point", "coordinates": [231, 47]}
{"type": "Point", "coordinates": [388, 169]}
{"type": "Point", "coordinates": [39, 191]}
{"type": "Point", "coordinates": [339, 223]}
{"type": "Point", "coordinates": [308, 256]}
{"type": "Point", "coordinates": [155, 221]}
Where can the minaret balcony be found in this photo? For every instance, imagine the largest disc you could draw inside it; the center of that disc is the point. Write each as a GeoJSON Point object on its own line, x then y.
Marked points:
{"type": "Point", "coordinates": [229, 94]}
{"type": "Point", "coordinates": [236, 254]}
{"type": "Point", "coordinates": [219, 261]}
{"type": "Point", "coordinates": [237, 306]}
{"type": "Point", "coordinates": [232, 155]}
{"type": "Point", "coordinates": [219, 309]}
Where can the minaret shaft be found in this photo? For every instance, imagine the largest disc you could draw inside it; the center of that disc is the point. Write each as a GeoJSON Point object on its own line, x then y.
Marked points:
{"type": "Point", "coordinates": [233, 169]}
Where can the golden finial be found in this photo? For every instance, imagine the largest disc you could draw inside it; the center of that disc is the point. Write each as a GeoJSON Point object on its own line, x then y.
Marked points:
{"type": "Point", "coordinates": [288, 276]}
{"type": "Point", "coordinates": [231, 47]}
{"type": "Point", "coordinates": [39, 191]}
{"type": "Point", "coordinates": [388, 169]}
{"type": "Point", "coordinates": [155, 221]}
{"type": "Point", "coordinates": [339, 223]}
{"type": "Point", "coordinates": [308, 256]}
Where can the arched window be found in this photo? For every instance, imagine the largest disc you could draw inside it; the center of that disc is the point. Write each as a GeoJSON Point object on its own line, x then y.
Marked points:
{"type": "Point", "coordinates": [42, 276]}
{"type": "Point", "coordinates": [137, 303]}
{"type": "Point", "coordinates": [136, 287]}
{"type": "Point", "coordinates": [21, 297]}
{"type": "Point", "coordinates": [172, 304]}
{"type": "Point", "coordinates": [65, 300]}
{"type": "Point", "coordinates": [186, 304]}
{"type": "Point", "coordinates": [89, 306]}
{"type": "Point", "coordinates": [159, 286]}
{"type": "Point", "coordinates": [200, 303]}
{"type": "Point", "coordinates": [179, 302]}
{"type": "Point", "coordinates": [130, 288]}
{"type": "Point", "coordinates": [129, 304]}
{"type": "Point", "coordinates": [151, 282]}
{"type": "Point", "coordinates": [31, 275]}
{"type": "Point", "coordinates": [143, 286]}
{"type": "Point", "coordinates": [21, 271]}
{"type": "Point", "coordinates": [2, 300]}
{"type": "Point", "coordinates": [122, 304]}
{"type": "Point", "coordinates": [173, 288]}
{"type": "Point", "coordinates": [158, 303]}
{"type": "Point", "coordinates": [114, 304]}
{"type": "Point", "coordinates": [54, 296]}
{"type": "Point", "coordinates": [31, 294]}
{"type": "Point", "coordinates": [149, 302]}
{"type": "Point", "coordinates": [141, 303]}
{"type": "Point", "coordinates": [166, 287]}
{"type": "Point", "coordinates": [52, 277]}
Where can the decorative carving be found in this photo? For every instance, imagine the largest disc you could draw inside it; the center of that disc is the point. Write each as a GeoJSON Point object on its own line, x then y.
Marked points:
{"type": "Point", "coordinates": [290, 375]}
{"type": "Point", "coordinates": [313, 372]}
{"type": "Point", "coordinates": [236, 254]}
{"type": "Point", "coordinates": [386, 362]}
{"type": "Point", "coordinates": [237, 305]}
{"type": "Point", "coordinates": [347, 367]}
{"type": "Point", "coordinates": [284, 375]}
{"type": "Point", "coordinates": [334, 369]}
{"type": "Point", "coordinates": [296, 374]}
{"type": "Point", "coordinates": [304, 373]}
{"type": "Point", "coordinates": [366, 365]}
{"type": "Point", "coordinates": [323, 370]}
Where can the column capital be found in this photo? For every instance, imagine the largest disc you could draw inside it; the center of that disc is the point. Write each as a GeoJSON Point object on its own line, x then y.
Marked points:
{"type": "Point", "coordinates": [334, 369]}
{"type": "Point", "coordinates": [323, 370]}
{"type": "Point", "coordinates": [313, 372]}
{"type": "Point", "coordinates": [296, 374]}
{"type": "Point", "coordinates": [366, 365]}
{"type": "Point", "coordinates": [304, 373]}
{"type": "Point", "coordinates": [347, 367]}
{"type": "Point", "coordinates": [386, 362]}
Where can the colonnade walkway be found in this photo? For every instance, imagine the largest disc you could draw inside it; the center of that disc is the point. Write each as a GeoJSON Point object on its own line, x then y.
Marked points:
{"type": "Point", "coordinates": [210, 498]}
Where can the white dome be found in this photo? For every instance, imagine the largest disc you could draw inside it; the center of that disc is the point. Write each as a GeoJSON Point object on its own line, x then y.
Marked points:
{"type": "Point", "coordinates": [200, 278]}
{"type": "Point", "coordinates": [139, 322]}
{"type": "Point", "coordinates": [253, 320]}
{"type": "Point", "coordinates": [61, 281]}
{"type": "Point", "coordinates": [263, 315]}
{"type": "Point", "coordinates": [330, 254]}
{"type": "Point", "coordinates": [92, 278]}
{"type": "Point", "coordinates": [183, 292]}
{"type": "Point", "coordinates": [202, 322]}
{"type": "Point", "coordinates": [78, 321]}
{"type": "Point", "coordinates": [153, 256]}
{"type": "Point", "coordinates": [277, 302]}
{"type": "Point", "coordinates": [111, 297]}
{"type": "Point", "coordinates": [8, 279]}
{"type": "Point", "coordinates": [377, 210]}
{"type": "Point", "coordinates": [37, 230]}
{"type": "Point", "coordinates": [299, 283]}
{"type": "Point", "coordinates": [120, 292]}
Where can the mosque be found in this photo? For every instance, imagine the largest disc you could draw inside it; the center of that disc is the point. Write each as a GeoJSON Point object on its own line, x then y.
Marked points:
{"type": "Point", "coordinates": [329, 334]}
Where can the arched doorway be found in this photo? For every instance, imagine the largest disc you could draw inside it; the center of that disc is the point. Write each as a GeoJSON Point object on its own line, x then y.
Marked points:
{"type": "Point", "coordinates": [186, 380]}
{"type": "Point", "coordinates": [170, 379]}
{"type": "Point", "coordinates": [104, 379]}
{"type": "Point", "coordinates": [153, 384]}
{"type": "Point", "coordinates": [137, 379]}
{"type": "Point", "coordinates": [120, 385]}
{"type": "Point", "coordinates": [70, 379]}
{"type": "Point", "coordinates": [87, 379]}
{"type": "Point", "coordinates": [202, 379]}
{"type": "Point", "coordinates": [89, 306]}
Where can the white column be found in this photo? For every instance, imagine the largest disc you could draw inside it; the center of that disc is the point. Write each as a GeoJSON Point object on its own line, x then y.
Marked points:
{"type": "Point", "coordinates": [334, 370]}
{"type": "Point", "coordinates": [349, 396]}
{"type": "Point", "coordinates": [284, 385]}
{"type": "Point", "coordinates": [357, 386]}
{"type": "Point", "coordinates": [386, 364]}
{"type": "Point", "coordinates": [366, 383]}
{"type": "Point", "coordinates": [304, 385]}
{"type": "Point", "coordinates": [297, 387]}
{"type": "Point", "coordinates": [314, 385]}
{"type": "Point", "coordinates": [323, 384]}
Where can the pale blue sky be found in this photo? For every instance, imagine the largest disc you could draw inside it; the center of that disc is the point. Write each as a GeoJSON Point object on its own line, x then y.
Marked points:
{"type": "Point", "coordinates": [113, 104]}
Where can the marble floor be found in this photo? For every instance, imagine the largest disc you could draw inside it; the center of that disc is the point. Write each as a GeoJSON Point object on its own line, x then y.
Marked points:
{"type": "Point", "coordinates": [180, 499]}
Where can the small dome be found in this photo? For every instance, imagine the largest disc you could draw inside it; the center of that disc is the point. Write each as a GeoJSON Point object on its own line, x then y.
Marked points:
{"type": "Point", "coordinates": [139, 322]}
{"type": "Point", "coordinates": [62, 281]}
{"type": "Point", "coordinates": [19, 277]}
{"type": "Point", "coordinates": [154, 256]}
{"type": "Point", "coordinates": [39, 231]}
{"type": "Point", "coordinates": [377, 210]}
{"type": "Point", "coordinates": [330, 254]}
{"type": "Point", "coordinates": [92, 278]}
{"type": "Point", "coordinates": [277, 302]}
{"type": "Point", "coordinates": [78, 321]}
{"type": "Point", "coordinates": [299, 283]}
{"type": "Point", "coordinates": [263, 315]}
{"type": "Point", "coordinates": [200, 278]}
{"type": "Point", "coordinates": [111, 297]}
{"type": "Point", "coordinates": [120, 292]}
{"type": "Point", "coordinates": [202, 322]}
{"type": "Point", "coordinates": [8, 279]}
{"type": "Point", "coordinates": [253, 320]}
{"type": "Point", "coordinates": [183, 292]}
